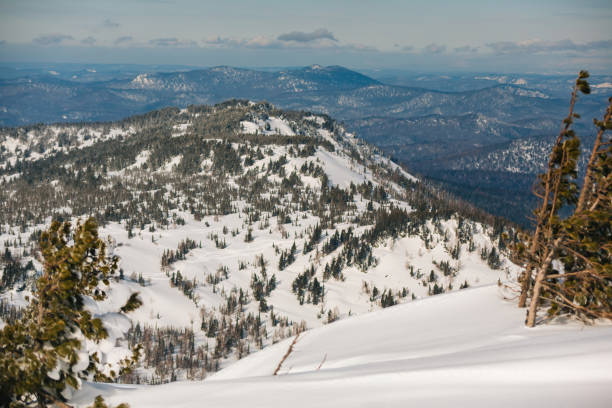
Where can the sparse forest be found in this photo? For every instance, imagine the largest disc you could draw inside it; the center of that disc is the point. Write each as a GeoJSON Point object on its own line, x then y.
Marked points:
{"type": "Point", "coordinates": [276, 199]}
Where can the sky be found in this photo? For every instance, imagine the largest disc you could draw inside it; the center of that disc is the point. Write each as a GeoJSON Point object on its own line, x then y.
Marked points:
{"type": "Point", "coordinates": [546, 36]}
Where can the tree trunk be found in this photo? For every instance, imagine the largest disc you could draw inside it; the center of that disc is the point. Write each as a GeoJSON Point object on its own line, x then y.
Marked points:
{"type": "Point", "coordinates": [588, 177]}
{"type": "Point", "coordinates": [541, 213]}
{"type": "Point", "coordinates": [526, 284]}
{"type": "Point", "coordinates": [525, 287]}
{"type": "Point", "coordinates": [539, 282]}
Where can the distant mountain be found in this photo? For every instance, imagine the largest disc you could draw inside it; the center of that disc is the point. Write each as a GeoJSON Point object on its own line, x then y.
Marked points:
{"type": "Point", "coordinates": [421, 127]}
{"type": "Point", "coordinates": [334, 90]}
{"type": "Point", "coordinates": [50, 99]}
{"type": "Point", "coordinates": [222, 80]}
{"type": "Point", "coordinates": [433, 137]}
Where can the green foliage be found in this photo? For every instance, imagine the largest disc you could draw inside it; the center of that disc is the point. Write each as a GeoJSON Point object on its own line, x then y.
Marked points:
{"type": "Point", "coordinates": [586, 248]}
{"type": "Point", "coordinates": [573, 254]}
{"type": "Point", "coordinates": [304, 282]}
{"type": "Point", "coordinates": [132, 303]}
{"type": "Point", "coordinates": [314, 239]}
{"type": "Point", "coordinates": [42, 354]}
{"type": "Point", "coordinates": [99, 403]}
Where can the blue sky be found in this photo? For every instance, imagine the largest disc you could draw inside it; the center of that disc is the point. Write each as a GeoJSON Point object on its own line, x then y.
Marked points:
{"type": "Point", "coordinates": [519, 36]}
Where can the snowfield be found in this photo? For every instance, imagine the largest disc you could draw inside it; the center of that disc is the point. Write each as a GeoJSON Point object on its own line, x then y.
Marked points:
{"type": "Point", "coordinates": [240, 225]}
{"type": "Point", "coordinates": [468, 348]}
{"type": "Point", "coordinates": [439, 256]}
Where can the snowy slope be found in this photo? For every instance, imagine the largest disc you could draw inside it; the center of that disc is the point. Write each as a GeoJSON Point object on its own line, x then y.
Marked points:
{"type": "Point", "coordinates": [149, 206]}
{"type": "Point", "coordinates": [468, 348]}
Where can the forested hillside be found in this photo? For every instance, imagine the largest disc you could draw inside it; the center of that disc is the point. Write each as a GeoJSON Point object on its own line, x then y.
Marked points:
{"type": "Point", "coordinates": [239, 225]}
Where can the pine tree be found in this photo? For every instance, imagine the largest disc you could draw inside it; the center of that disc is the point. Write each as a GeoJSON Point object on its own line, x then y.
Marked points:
{"type": "Point", "coordinates": [44, 356]}
{"type": "Point", "coordinates": [553, 186]}
{"type": "Point", "coordinates": [581, 282]}
{"type": "Point", "coordinates": [584, 287]}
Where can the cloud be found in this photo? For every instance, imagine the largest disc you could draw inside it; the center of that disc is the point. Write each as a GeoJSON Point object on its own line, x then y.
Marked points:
{"type": "Point", "coordinates": [258, 41]}
{"type": "Point", "coordinates": [2, 42]}
{"type": "Point", "coordinates": [172, 42]}
{"type": "Point", "coordinates": [88, 41]}
{"type": "Point", "coordinates": [52, 39]}
{"type": "Point", "coordinates": [537, 46]}
{"type": "Point", "coordinates": [263, 42]}
{"type": "Point", "coordinates": [434, 48]}
{"type": "Point", "coordinates": [221, 41]}
{"type": "Point", "coordinates": [466, 48]}
{"type": "Point", "coordinates": [108, 23]}
{"type": "Point", "coordinates": [124, 39]}
{"type": "Point", "coordinates": [353, 48]}
{"type": "Point", "coordinates": [303, 37]}
{"type": "Point", "coordinates": [408, 48]}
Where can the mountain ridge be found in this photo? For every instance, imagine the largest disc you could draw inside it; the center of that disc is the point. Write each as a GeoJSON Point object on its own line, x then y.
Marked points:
{"type": "Point", "coordinates": [407, 131]}
{"type": "Point", "coordinates": [239, 224]}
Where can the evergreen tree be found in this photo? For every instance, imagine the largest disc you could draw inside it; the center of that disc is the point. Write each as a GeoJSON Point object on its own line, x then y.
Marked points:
{"type": "Point", "coordinates": [44, 356]}
{"type": "Point", "coordinates": [581, 282]}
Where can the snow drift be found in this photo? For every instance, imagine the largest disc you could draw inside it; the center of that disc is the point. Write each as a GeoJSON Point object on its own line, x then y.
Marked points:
{"type": "Point", "coordinates": [468, 348]}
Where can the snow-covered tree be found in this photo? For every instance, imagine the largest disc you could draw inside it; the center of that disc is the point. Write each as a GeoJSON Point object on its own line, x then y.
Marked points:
{"type": "Point", "coordinates": [44, 356]}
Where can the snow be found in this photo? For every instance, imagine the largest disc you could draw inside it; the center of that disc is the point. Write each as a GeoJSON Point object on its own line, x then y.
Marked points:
{"type": "Point", "coordinates": [280, 126]}
{"type": "Point", "coordinates": [166, 306]}
{"type": "Point", "coordinates": [249, 127]}
{"type": "Point", "coordinates": [468, 348]}
{"type": "Point", "coordinates": [317, 119]}
{"type": "Point", "coordinates": [338, 169]}
{"type": "Point", "coordinates": [31, 140]}
{"type": "Point", "coordinates": [271, 126]}
{"type": "Point", "coordinates": [180, 129]}
{"type": "Point", "coordinates": [143, 80]}
{"type": "Point", "coordinates": [602, 85]}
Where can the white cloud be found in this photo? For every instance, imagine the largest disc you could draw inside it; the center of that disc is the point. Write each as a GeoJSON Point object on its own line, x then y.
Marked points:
{"type": "Point", "coordinates": [52, 39]}
{"type": "Point", "coordinates": [108, 23]}
{"type": "Point", "coordinates": [88, 41]}
{"type": "Point", "coordinates": [260, 41]}
{"type": "Point", "coordinates": [303, 37]}
{"type": "Point", "coordinates": [537, 46]}
{"type": "Point", "coordinates": [434, 48]}
{"type": "Point", "coordinates": [172, 42]}
{"type": "Point", "coordinates": [466, 48]}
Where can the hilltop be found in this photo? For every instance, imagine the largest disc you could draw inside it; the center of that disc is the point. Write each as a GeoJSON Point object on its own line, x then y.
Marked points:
{"type": "Point", "coordinates": [427, 122]}
{"type": "Point", "coordinates": [239, 224]}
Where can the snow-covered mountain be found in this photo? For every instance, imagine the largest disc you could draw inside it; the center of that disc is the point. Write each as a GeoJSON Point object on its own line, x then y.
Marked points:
{"type": "Point", "coordinates": [462, 349]}
{"type": "Point", "coordinates": [421, 120]}
{"type": "Point", "coordinates": [240, 225]}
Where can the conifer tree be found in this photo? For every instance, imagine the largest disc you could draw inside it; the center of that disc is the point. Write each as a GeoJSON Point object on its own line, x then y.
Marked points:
{"type": "Point", "coordinates": [572, 257]}
{"type": "Point", "coordinates": [584, 286]}
{"type": "Point", "coordinates": [43, 356]}
{"type": "Point", "coordinates": [548, 192]}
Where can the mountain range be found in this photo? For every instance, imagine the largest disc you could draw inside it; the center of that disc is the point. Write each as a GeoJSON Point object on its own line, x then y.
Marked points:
{"type": "Point", "coordinates": [429, 130]}
{"type": "Point", "coordinates": [275, 252]}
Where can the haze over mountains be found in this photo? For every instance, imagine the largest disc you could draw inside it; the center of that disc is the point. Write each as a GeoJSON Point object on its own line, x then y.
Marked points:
{"type": "Point", "coordinates": [85, 95]}
{"type": "Point", "coordinates": [447, 135]}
